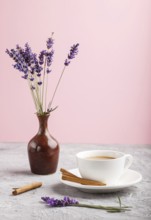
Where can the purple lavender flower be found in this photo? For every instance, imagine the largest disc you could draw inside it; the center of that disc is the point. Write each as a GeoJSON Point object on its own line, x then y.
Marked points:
{"type": "Point", "coordinates": [27, 55]}
{"type": "Point", "coordinates": [66, 201]}
{"type": "Point", "coordinates": [49, 43]}
{"type": "Point", "coordinates": [38, 68]}
{"type": "Point", "coordinates": [49, 58]}
{"type": "Point", "coordinates": [41, 57]}
{"type": "Point", "coordinates": [72, 54]}
{"type": "Point", "coordinates": [25, 60]}
{"type": "Point", "coordinates": [35, 64]}
{"type": "Point", "coordinates": [73, 51]}
{"type": "Point", "coordinates": [19, 60]}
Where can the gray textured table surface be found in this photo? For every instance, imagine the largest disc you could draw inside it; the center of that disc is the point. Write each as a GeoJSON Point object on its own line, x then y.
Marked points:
{"type": "Point", "coordinates": [15, 172]}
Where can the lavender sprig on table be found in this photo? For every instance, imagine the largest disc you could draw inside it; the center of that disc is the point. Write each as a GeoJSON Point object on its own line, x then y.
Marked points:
{"type": "Point", "coordinates": [36, 68]}
{"type": "Point", "coordinates": [67, 201]}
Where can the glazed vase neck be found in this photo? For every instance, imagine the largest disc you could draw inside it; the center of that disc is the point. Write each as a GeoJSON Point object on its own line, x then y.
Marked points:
{"type": "Point", "coordinates": [43, 123]}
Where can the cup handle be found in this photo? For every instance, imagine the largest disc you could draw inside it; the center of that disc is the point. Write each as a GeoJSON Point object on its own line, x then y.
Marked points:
{"type": "Point", "coordinates": [128, 161]}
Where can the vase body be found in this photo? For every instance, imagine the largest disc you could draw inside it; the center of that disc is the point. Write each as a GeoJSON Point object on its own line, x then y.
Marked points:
{"type": "Point", "coordinates": [43, 150]}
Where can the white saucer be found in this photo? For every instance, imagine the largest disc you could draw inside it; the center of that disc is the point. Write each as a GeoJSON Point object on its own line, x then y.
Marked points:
{"type": "Point", "coordinates": [129, 178]}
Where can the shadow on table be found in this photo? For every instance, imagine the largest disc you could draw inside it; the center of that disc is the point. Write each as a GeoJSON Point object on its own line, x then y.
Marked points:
{"type": "Point", "coordinates": [73, 192]}
{"type": "Point", "coordinates": [20, 172]}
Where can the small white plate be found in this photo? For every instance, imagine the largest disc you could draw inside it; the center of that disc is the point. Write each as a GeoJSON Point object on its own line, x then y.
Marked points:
{"type": "Point", "coordinates": [129, 178]}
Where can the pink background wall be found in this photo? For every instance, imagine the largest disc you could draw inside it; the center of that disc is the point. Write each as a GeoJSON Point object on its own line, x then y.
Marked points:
{"type": "Point", "coordinates": [105, 95]}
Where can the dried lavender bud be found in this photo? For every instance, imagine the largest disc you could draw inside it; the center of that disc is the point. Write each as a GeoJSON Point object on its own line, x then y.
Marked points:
{"type": "Point", "coordinates": [32, 79]}
{"type": "Point", "coordinates": [66, 63]}
{"type": "Point", "coordinates": [39, 83]}
{"type": "Point", "coordinates": [25, 76]}
{"type": "Point", "coordinates": [48, 70]}
{"type": "Point", "coordinates": [49, 43]}
{"type": "Point", "coordinates": [32, 87]}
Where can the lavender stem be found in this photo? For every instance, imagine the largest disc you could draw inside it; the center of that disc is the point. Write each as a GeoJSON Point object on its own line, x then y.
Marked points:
{"type": "Point", "coordinates": [50, 103]}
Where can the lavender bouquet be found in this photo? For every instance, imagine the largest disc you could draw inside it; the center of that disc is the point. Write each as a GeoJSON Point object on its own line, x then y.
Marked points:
{"type": "Point", "coordinates": [36, 69]}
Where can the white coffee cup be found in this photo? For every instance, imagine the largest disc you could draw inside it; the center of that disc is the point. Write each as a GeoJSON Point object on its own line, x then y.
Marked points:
{"type": "Point", "coordinates": [103, 165]}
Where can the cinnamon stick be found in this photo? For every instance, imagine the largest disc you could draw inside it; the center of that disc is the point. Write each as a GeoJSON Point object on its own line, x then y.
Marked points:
{"type": "Point", "coordinates": [66, 175]}
{"type": "Point", "coordinates": [26, 188]}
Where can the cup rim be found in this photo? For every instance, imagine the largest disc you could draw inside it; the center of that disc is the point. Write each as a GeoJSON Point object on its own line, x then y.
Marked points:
{"type": "Point", "coordinates": [79, 155]}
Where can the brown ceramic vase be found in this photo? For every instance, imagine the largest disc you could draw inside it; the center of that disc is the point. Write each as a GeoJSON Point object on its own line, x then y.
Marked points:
{"type": "Point", "coordinates": [43, 149]}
